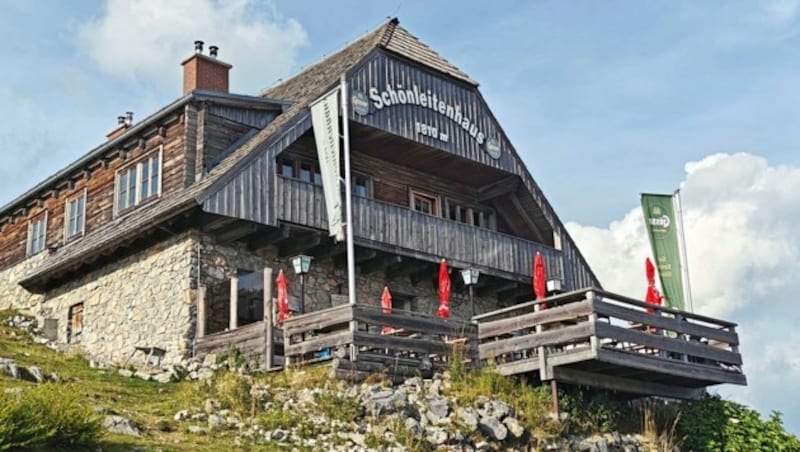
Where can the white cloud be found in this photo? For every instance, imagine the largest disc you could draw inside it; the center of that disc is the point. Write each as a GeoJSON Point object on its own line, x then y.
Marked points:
{"type": "Point", "coordinates": [740, 215]}
{"type": "Point", "coordinates": [146, 40]}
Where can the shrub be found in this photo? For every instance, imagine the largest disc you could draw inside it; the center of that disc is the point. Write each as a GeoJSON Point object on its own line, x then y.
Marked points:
{"type": "Point", "coordinates": [232, 390]}
{"type": "Point", "coordinates": [46, 416]}
{"type": "Point", "coordinates": [592, 410]}
{"type": "Point", "coordinates": [713, 424]}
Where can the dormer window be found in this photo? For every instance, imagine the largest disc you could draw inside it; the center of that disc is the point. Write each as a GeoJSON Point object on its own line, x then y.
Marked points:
{"type": "Point", "coordinates": [37, 235]}
{"type": "Point", "coordinates": [138, 182]}
{"type": "Point", "coordinates": [75, 221]}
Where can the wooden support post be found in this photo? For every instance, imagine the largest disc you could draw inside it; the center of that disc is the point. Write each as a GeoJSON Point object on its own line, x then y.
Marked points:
{"type": "Point", "coordinates": [554, 396]}
{"type": "Point", "coordinates": [542, 351]}
{"type": "Point", "coordinates": [202, 309]}
{"type": "Point", "coordinates": [234, 304]}
{"type": "Point", "coordinates": [590, 296]}
{"type": "Point", "coordinates": [268, 339]}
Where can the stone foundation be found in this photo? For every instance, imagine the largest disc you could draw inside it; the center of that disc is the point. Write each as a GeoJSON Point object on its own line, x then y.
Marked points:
{"type": "Point", "coordinates": [143, 300]}
{"type": "Point", "coordinates": [12, 295]}
{"type": "Point", "coordinates": [149, 299]}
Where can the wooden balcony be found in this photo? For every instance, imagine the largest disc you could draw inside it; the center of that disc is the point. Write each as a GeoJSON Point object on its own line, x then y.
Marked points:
{"type": "Point", "coordinates": [596, 338]}
{"type": "Point", "coordinates": [397, 229]}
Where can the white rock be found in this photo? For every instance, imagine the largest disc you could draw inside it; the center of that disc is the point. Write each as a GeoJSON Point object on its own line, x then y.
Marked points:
{"type": "Point", "coordinates": [120, 425]}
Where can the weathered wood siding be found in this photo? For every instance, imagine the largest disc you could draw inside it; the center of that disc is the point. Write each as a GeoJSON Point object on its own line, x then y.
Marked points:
{"type": "Point", "coordinates": [382, 70]}
{"type": "Point", "coordinates": [250, 117]}
{"type": "Point", "coordinates": [248, 194]}
{"type": "Point", "coordinates": [98, 181]}
{"type": "Point", "coordinates": [391, 182]}
{"type": "Point", "coordinates": [398, 229]}
{"type": "Point", "coordinates": [218, 134]}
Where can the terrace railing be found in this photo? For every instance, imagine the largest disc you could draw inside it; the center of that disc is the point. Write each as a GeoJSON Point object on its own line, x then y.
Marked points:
{"type": "Point", "coordinates": [364, 340]}
{"type": "Point", "coordinates": [592, 324]}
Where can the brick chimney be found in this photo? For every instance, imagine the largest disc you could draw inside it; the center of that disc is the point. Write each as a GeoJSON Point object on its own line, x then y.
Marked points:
{"type": "Point", "coordinates": [205, 71]}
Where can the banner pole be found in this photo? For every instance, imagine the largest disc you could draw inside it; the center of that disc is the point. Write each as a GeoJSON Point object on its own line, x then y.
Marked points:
{"type": "Point", "coordinates": [351, 260]}
{"type": "Point", "coordinates": [687, 284]}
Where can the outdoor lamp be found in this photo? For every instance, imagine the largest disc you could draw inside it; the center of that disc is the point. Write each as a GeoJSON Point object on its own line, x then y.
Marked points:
{"type": "Point", "coordinates": [302, 264]}
{"type": "Point", "coordinates": [470, 277]}
{"type": "Point", "coordinates": [554, 286]}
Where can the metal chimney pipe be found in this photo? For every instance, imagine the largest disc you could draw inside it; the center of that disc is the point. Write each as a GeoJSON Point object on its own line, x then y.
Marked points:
{"type": "Point", "coordinates": [129, 117]}
{"type": "Point", "coordinates": [120, 120]}
{"type": "Point", "coordinates": [212, 50]}
{"type": "Point", "coordinates": [198, 46]}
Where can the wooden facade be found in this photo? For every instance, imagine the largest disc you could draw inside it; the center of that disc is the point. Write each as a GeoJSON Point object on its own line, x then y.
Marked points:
{"type": "Point", "coordinates": [192, 136]}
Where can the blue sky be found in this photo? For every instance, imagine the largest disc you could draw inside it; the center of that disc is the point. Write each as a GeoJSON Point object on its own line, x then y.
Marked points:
{"type": "Point", "coordinates": [603, 100]}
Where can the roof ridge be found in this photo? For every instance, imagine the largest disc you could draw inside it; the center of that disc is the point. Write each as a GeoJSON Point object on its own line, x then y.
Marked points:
{"type": "Point", "coordinates": [388, 24]}
{"type": "Point", "coordinates": [390, 27]}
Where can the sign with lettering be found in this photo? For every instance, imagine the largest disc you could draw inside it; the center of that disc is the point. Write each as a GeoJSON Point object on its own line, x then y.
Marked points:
{"type": "Point", "coordinates": [423, 105]}
{"type": "Point", "coordinates": [325, 120]}
{"type": "Point", "coordinates": [426, 99]}
{"type": "Point", "coordinates": [659, 216]}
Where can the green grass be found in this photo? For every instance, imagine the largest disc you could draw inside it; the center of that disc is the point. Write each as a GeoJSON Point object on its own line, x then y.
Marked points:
{"type": "Point", "coordinates": [146, 403]}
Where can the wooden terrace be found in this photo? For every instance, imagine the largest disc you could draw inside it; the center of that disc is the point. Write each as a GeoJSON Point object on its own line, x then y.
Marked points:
{"type": "Point", "coordinates": [596, 338]}
{"type": "Point", "coordinates": [587, 337]}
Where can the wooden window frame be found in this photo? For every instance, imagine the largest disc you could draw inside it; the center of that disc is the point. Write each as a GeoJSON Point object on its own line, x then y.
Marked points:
{"type": "Point", "coordinates": [369, 184]}
{"type": "Point", "coordinates": [29, 251]}
{"type": "Point", "coordinates": [413, 192]}
{"type": "Point", "coordinates": [297, 164]}
{"type": "Point", "coordinates": [67, 217]}
{"type": "Point", "coordinates": [137, 167]}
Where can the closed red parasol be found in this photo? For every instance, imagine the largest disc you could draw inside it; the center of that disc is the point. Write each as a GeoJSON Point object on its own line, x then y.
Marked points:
{"type": "Point", "coordinates": [653, 295]}
{"type": "Point", "coordinates": [386, 306]}
{"type": "Point", "coordinates": [539, 279]}
{"type": "Point", "coordinates": [283, 297]}
{"type": "Point", "coordinates": [444, 291]}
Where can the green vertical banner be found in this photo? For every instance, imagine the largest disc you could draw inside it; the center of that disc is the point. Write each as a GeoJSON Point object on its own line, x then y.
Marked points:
{"type": "Point", "coordinates": [659, 219]}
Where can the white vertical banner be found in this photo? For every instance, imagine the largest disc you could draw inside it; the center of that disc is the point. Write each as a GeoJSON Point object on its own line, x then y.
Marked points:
{"type": "Point", "coordinates": [325, 120]}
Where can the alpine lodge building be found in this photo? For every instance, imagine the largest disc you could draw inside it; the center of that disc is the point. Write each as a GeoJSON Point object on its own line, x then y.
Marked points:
{"type": "Point", "coordinates": [168, 238]}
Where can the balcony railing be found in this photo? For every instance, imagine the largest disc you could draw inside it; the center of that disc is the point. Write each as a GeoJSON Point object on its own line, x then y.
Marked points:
{"type": "Point", "coordinates": [395, 228]}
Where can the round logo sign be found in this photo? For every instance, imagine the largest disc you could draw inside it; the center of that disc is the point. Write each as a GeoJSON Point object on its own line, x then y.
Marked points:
{"type": "Point", "coordinates": [360, 103]}
{"type": "Point", "coordinates": [493, 148]}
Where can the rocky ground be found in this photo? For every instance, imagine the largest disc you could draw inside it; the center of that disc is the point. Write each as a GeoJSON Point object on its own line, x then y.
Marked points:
{"type": "Point", "coordinates": [218, 403]}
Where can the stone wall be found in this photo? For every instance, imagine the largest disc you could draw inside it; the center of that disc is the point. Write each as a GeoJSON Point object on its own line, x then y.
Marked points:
{"type": "Point", "coordinates": [326, 278]}
{"type": "Point", "coordinates": [145, 299]}
{"type": "Point", "coordinates": [12, 295]}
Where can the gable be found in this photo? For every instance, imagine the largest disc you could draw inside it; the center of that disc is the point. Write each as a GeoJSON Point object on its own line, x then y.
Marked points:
{"type": "Point", "coordinates": [404, 98]}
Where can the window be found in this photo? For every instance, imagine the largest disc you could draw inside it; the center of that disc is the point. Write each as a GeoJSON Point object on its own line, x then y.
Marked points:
{"type": "Point", "coordinates": [287, 168]}
{"type": "Point", "coordinates": [75, 323]}
{"type": "Point", "coordinates": [362, 186]}
{"type": "Point", "coordinates": [305, 170]}
{"type": "Point", "coordinates": [139, 182]}
{"type": "Point", "coordinates": [425, 203]}
{"type": "Point", "coordinates": [37, 235]}
{"type": "Point", "coordinates": [75, 217]}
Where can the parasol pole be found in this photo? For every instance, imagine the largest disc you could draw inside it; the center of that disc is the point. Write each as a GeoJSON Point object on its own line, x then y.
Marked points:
{"type": "Point", "coordinates": [687, 286]}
